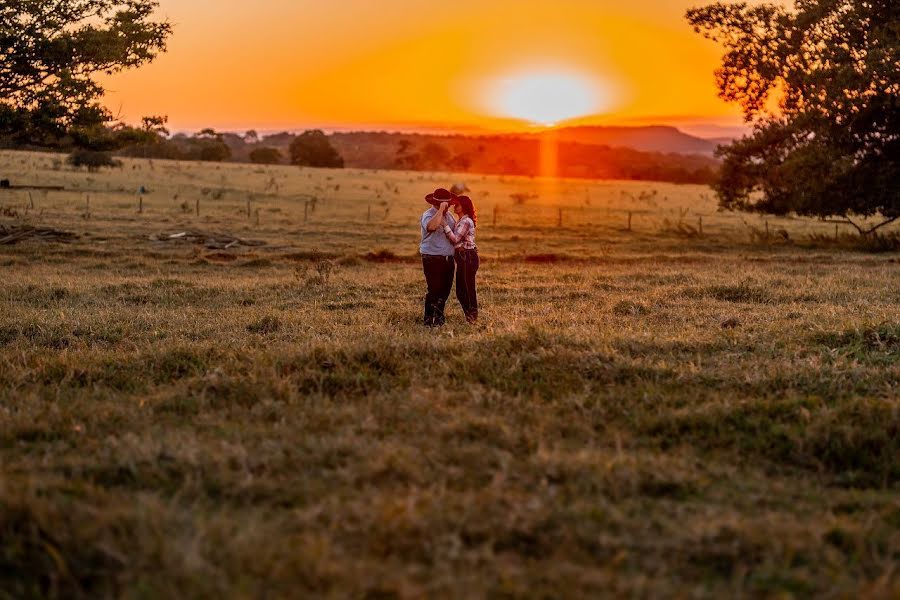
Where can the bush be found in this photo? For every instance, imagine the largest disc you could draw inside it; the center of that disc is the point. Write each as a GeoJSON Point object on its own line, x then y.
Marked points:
{"type": "Point", "coordinates": [92, 159]}
{"type": "Point", "coordinates": [265, 156]}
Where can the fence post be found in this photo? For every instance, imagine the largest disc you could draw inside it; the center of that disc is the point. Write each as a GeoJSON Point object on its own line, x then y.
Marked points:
{"type": "Point", "coordinates": [700, 224]}
{"type": "Point", "coordinates": [197, 206]}
{"type": "Point", "coordinates": [140, 204]}
{"type": "Point", "coordinates": [494, 223]}
{"type": "Point", "coordinates": [31, 200]}
{"type": "Point", "coordinates": [629, 220]}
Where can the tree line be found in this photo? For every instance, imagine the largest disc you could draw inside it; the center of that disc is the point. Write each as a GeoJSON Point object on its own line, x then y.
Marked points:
{"type": "Point", "coordinates": [501, 155]}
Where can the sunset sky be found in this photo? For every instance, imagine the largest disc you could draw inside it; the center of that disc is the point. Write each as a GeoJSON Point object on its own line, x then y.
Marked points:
{"type": "Point", "coordinates": [291, 64]}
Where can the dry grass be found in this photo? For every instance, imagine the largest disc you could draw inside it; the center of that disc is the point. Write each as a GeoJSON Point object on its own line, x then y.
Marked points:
{"type": "Point", "coordinates": [642, 413]}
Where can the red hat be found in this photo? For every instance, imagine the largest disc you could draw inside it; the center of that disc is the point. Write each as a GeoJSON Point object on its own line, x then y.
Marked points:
{"type": "Point", "coordinates": [441, 195]}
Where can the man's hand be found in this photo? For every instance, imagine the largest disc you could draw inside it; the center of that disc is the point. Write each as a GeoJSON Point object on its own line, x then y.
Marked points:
{"type": "Point", "coordinates": [444, 206]}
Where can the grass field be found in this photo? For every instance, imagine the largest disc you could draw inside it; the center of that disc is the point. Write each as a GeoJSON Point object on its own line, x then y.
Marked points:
{"type": "Point", "coordinates": [649, 413]}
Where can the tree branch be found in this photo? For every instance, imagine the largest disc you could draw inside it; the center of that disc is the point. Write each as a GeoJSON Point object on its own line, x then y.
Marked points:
{"type": "Point", "coordinates": [863, 232]}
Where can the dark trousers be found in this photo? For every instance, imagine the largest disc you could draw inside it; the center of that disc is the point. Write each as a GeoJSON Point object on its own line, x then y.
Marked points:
{"type": "Point", "coordinates": [466, 267]}
{"type": "Point", "coordinates": [439, 277]}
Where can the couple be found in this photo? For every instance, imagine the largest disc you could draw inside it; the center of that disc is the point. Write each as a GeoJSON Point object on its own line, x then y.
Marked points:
{"type": "Point", "coordinates": [448, 245]}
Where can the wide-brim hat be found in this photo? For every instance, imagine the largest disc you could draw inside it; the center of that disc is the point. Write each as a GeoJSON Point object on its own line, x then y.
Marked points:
{"type": "Point", "coordinates": [440, 195]}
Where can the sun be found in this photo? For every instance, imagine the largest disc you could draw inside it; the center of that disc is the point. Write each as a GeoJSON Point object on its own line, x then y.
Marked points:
{"type": "Point", "coordinates": [545, 97]}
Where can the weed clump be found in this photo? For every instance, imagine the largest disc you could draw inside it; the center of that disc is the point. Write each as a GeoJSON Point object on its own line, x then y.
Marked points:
{"type": "Point", "coordinates": [882, 339]}
{"type": "Point", "coordinates": [265, 325]}
{"type": "Point", "coordinates": [741, 292]}
{"type": "Point", "coordinates": [382, 256]}
{"type": "Point", "coordinates": [315, 277]}
{"type": "Point", "coordinates": [630, 308]}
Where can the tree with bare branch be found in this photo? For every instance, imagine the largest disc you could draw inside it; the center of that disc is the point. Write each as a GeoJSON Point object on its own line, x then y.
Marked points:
{"type": "Point", "coordinates": [820, 83]}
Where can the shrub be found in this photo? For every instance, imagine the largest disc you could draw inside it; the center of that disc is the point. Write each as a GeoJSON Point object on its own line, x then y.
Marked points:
{"type": "Point", "coordinates": [92, 159]}
{"type": "Point", "coordinates": [265, 156]}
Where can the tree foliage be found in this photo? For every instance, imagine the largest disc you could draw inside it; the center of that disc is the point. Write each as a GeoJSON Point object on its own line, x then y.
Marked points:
{"type": "Point", "coordinates": [821, 86]}
{"type": "Point", "coordinates": [313, 149]}
{"type": "Point", "coordinates": [51, 52]}
{"type": "Point", "coordinates": [208, 146]}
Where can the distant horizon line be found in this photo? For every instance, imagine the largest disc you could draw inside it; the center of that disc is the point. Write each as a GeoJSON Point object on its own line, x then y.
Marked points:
{"type": "Point", "coordinates": [699, 129]}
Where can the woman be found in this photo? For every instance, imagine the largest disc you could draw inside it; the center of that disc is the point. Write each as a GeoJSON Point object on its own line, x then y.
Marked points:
{"type": "Point", "coordinates": [462, 234]}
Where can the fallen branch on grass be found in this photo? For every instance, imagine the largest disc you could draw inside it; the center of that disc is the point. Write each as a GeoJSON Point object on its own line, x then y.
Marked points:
{"type": "Point", "coordinates": [213, 241]}
{"type": "Point", "coordinates": [14, 234]}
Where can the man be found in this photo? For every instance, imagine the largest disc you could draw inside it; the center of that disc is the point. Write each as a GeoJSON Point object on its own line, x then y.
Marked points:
{"type": "Point", "coordinates": [437, 255]}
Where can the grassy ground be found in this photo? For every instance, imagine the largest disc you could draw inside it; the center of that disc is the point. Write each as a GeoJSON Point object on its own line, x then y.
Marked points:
{"type": "Point", "coordinates": [640, 413]}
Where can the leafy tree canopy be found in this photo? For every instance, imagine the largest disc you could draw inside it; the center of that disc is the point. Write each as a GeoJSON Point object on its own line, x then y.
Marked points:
{"type": "Point", "coordinates": [51, 52]}
{"type": "Point", "coordinates": [313, 149]}
{"type": "Point", "coordinates": [820, 83]}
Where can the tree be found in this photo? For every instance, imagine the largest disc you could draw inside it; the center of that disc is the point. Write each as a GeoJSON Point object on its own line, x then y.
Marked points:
{"type": "Point", "coordinates": [460, 162]}
{"type": "Point", "coordinates": [155, 125]}
{"type": "Point", "coordinates": [208, 134]}
{"type": "Point", "coordinates": [251, 137]}
{"type": "Point", "coordinates": [209, 146]}
{"type": "Point", "coordinates": [435, 156]}
{"type": "Point", "coordinates": [313, 149]}
{"type": "Point", "coordinates": [212, 151]}
{"type": "Point", "coordinates": [404, 158]}
{"type": "Point", "coordinates": [265, 156]}
{"type": "Point", "coordinates": [821, 86]}
{"type": "Point", "coordinates": [50, 53]}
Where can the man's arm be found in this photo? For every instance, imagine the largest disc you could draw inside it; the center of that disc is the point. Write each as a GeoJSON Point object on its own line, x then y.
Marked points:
{"type": "Point", "coordinates": [437, 220]}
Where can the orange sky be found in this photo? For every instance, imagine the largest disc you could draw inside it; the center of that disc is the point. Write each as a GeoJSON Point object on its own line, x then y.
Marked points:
{"type": "Point", "coordinates": [289, 64]}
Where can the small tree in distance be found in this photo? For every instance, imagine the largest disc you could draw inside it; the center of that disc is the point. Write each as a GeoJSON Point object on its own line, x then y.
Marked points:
{"type": "Point", "coordinates": [313, 149]}
{"type": "Point", "coordinates": [209, 147]}
{"type": "Point", "coordinates": [831, 148]}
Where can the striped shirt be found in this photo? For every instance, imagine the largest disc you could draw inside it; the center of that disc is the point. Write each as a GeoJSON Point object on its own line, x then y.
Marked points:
{"type": "Point", "coordinates": [463, 234]}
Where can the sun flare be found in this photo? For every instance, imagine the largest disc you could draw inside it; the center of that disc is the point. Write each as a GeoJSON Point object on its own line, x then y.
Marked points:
{"type": "Point", "coordinates": [545, 98]}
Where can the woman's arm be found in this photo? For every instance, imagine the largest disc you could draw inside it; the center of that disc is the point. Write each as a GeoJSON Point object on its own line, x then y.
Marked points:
{"type": "Point", "coordinates": [462, 228]}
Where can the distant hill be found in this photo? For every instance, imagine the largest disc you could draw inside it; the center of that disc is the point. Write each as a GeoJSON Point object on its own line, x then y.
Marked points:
{"type": "Point", "coordinates": [654, 138]}
{"type": "Point", "coordinates": [721, 141]}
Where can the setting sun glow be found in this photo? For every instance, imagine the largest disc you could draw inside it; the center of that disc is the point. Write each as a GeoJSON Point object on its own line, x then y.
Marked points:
{"type": "Point", "coordinates": [545, 98]}
{"type": "Point", "coordinates": [482, 64]}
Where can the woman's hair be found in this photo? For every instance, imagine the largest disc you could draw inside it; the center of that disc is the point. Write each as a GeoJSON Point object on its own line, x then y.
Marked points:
{"type": "Point", "coordinates": [465, 203]}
